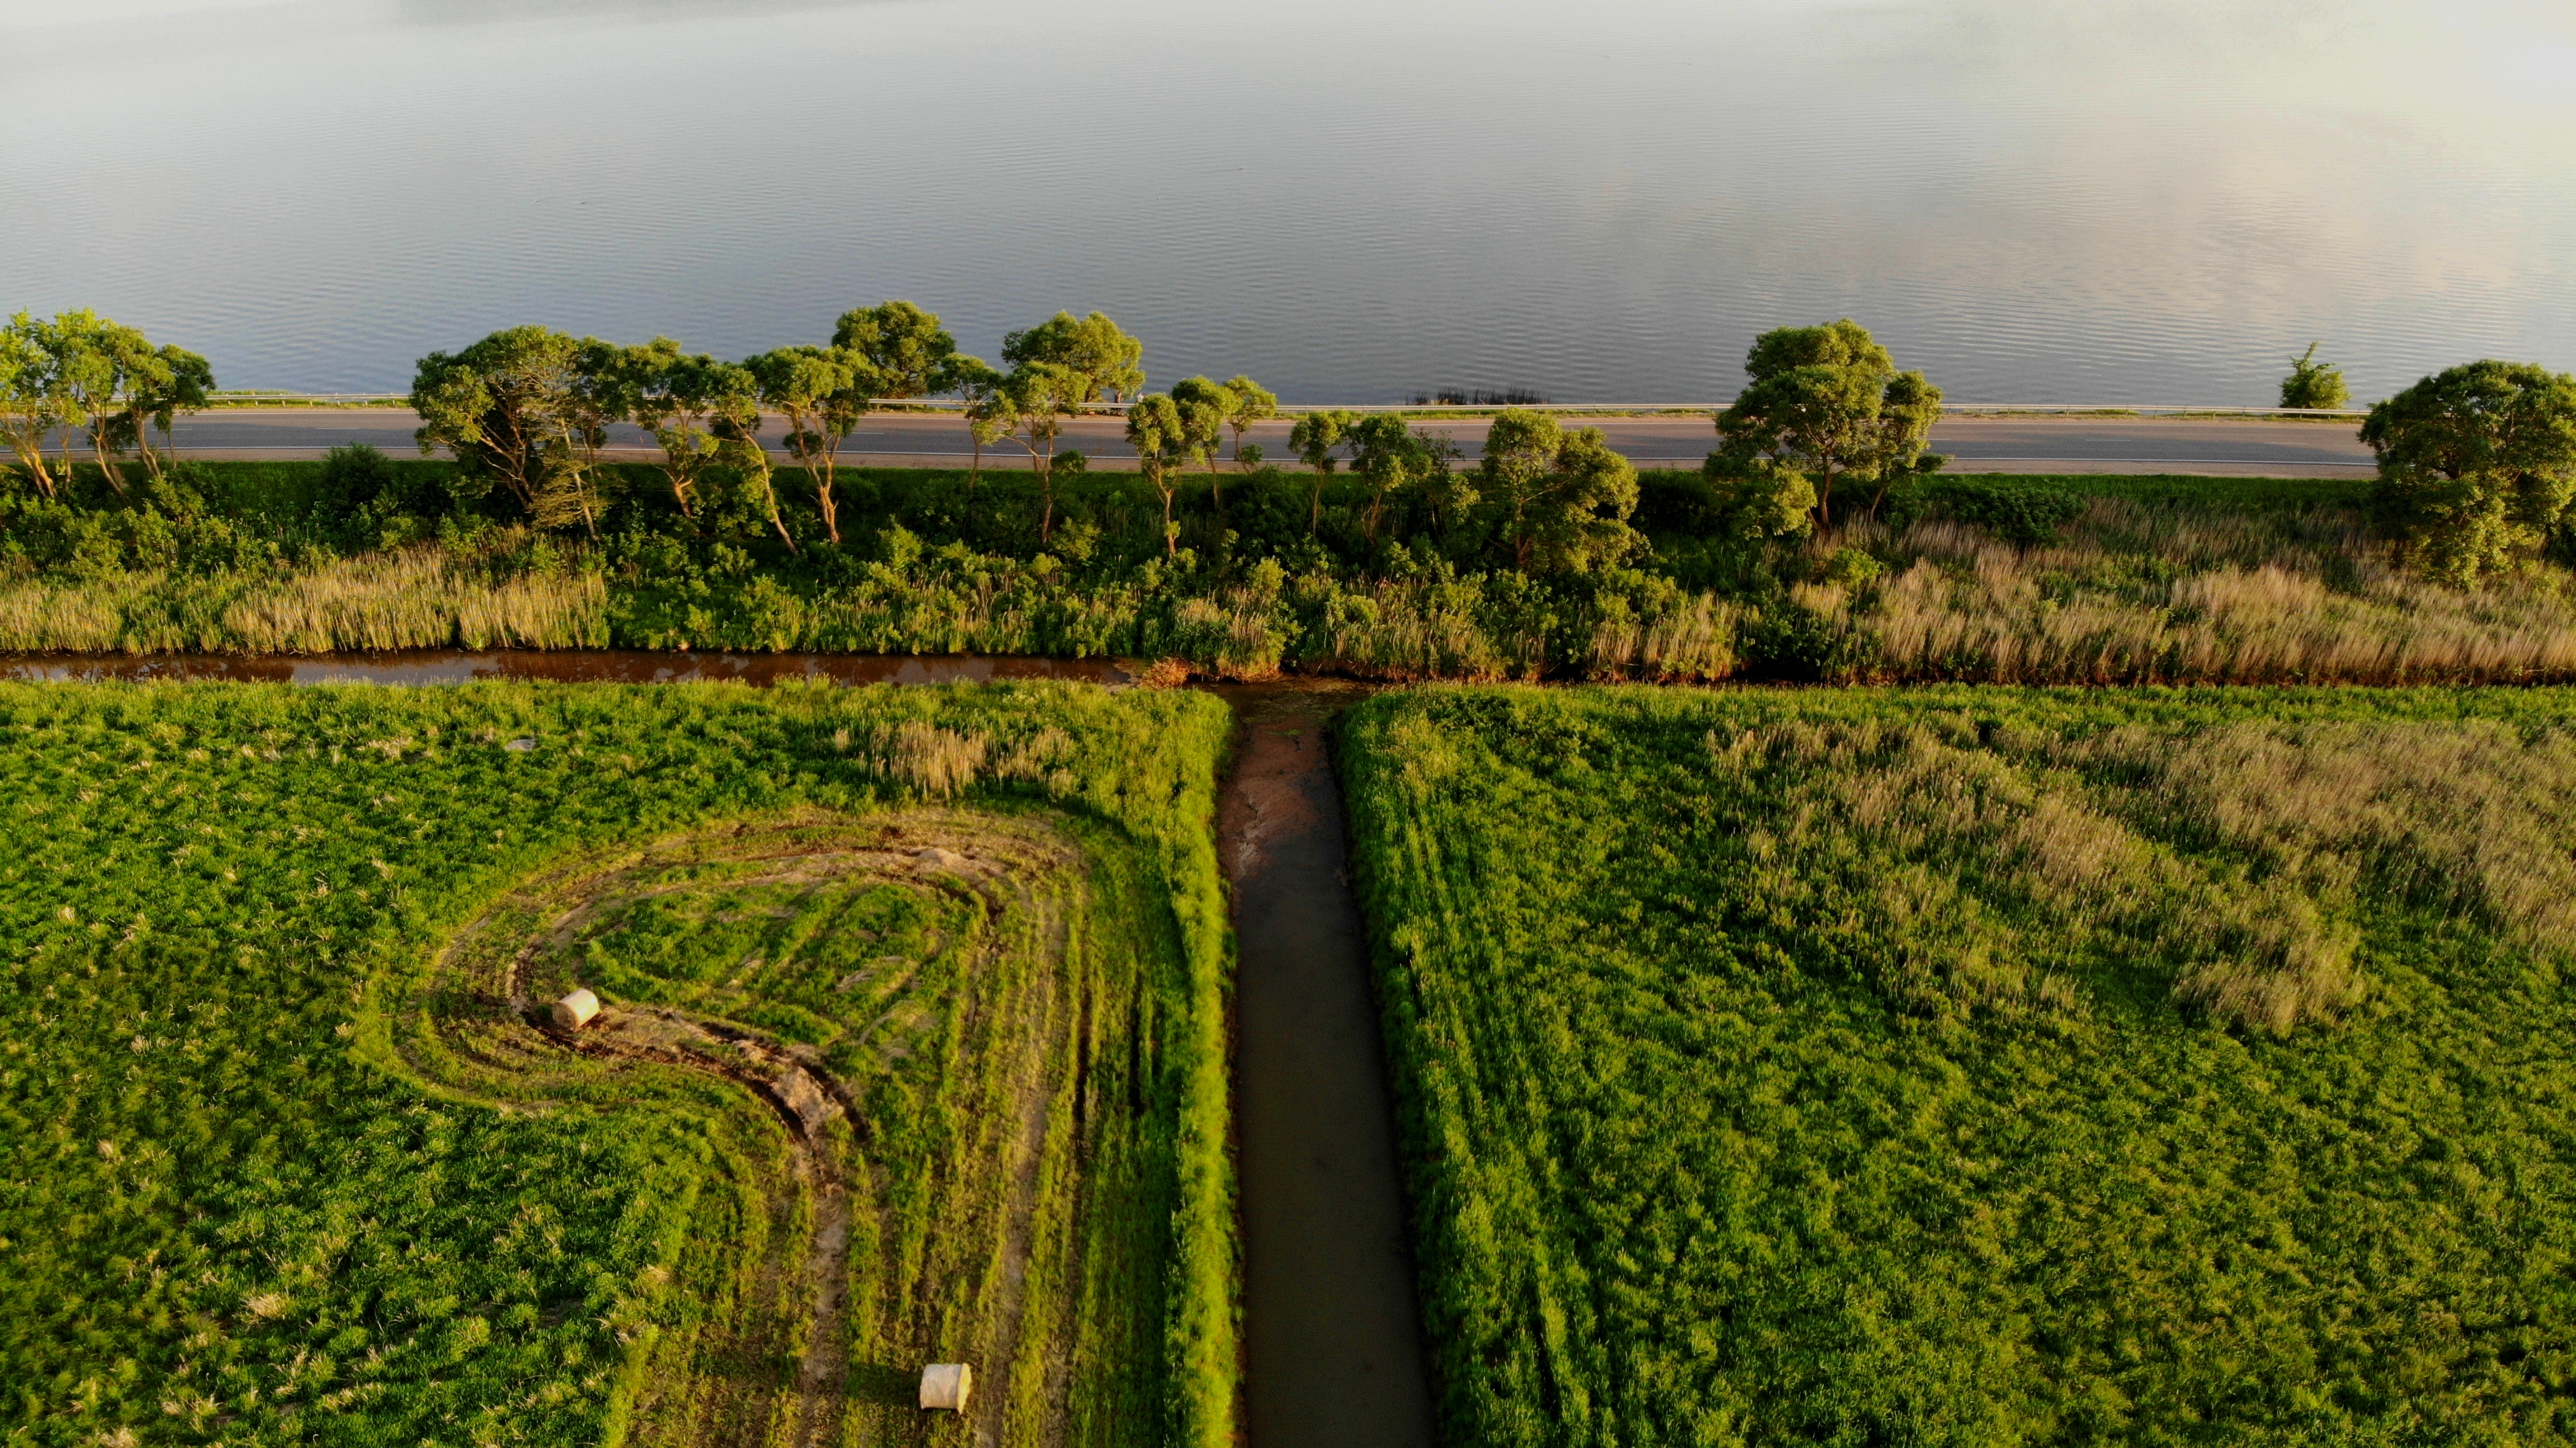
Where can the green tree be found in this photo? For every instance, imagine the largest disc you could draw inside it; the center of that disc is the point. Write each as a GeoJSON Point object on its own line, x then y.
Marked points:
{"type": "Point", "coordinates": [2476, 464]}
{"type": "Point", "coordinates": [1092, 348]}
{"type": "Point", "coordinates": [101, 367]}
{"type": "Point", "coordinates": [679, 400]}
{"type": "Point", "coordinates": [1204, 407]}
{"type": "Point", "coordinates": [734, 418]}
{"type": "Point", "coordinates": [1166, 442]}
{"type": "Point", "coordinates": [1750, 499]}
{"type": "Point", "coordinates": [1252, 403]}
{"type": "Point", "coordinates": [180, 383]}
{"type": "Point", "coordinates": [906, 350]}
{"type": "Point", "coordinates": [1560, 500]}
{"type": "Point", "coordinates": [1030, 408]}
{"type": "Point", "coordinates": [2312, 383]}
{"type": "Point", "coordinates": [1388, 456]}
{"type": "Point", "coordinates": [1828, 403]}
{"type": "Point", "coordinates": [506, 408]}
{"type": "Point", "coordinates": [1313, 438]}
{"type": "Point", "coordinates": [821, 393]}
{"type": "Point", "coordinates": [32, 405]}
{"type": "Point", "coordinates": [978, 386]}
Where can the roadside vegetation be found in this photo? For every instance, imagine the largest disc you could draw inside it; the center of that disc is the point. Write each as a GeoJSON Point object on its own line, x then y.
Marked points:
{"type": "Point", "coordinates": [1820, 541]}
{"type": "Point", "coordinates": [1974, 1066]}
{"type": "Point", "coordinates": [913, 1051]}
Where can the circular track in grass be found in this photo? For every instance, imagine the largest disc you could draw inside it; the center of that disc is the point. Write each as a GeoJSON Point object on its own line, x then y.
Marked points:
{"type": "Point", "coordinates": [877, 1028]}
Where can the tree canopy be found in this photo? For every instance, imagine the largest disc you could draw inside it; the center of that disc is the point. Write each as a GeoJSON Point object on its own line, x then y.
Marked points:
{"type": "Point", "coordinates": [1252, 403]}
{"type": "Point", "coordinates": [1827, 402]}
{"type": "Point", "coordinates": [91, 374]}
{"type": "Point", "coordinates": [1093, 349]}
{"type": "Point", "coordinates": [505, 408]}
{"type": "Point", "coordinates": [906, 350]}
{"type": "Point", "coordinates": [821, 392]}
{"type": "Point", "coordinates": [1560, 500]}
{"type": "Point", "coordinates": [2477, 463]}
{"type": "Point", "coordinates": [2313, 384]}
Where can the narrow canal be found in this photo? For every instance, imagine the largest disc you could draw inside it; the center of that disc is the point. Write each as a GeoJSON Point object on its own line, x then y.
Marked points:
{"type": "Point", "coordinates": [1332, 1335]}
{"type": "Point", "coordinates": [1333, 1351]}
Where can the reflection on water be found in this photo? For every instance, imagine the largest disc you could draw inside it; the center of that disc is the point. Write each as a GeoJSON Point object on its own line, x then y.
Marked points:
{"type": "Point", "coordinates": [607, 666]}
{"type": "Point", "coordinates": [2036, 201]}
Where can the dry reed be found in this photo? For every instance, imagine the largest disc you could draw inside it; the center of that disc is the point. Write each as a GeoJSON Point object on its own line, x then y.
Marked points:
{"type": "Point", "coordinates": [416, 598]}
{"type": "Point", "coordinates": [1964, 877]}
{"type": "Point", "coordinates": [2218, 600]}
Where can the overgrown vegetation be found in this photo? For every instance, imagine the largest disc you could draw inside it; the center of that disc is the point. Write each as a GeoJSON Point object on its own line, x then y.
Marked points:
{"type": "Point", "coordinates": [1959, 1066]}
{"type": "Point", "coordinates": [290, 1162]}
{"type": "Point", "coordinates": [1550, 556]}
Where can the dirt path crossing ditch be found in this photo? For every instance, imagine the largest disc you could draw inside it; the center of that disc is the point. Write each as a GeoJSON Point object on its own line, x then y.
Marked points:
{"type": "Point", "coordinates": [1332, 1330]}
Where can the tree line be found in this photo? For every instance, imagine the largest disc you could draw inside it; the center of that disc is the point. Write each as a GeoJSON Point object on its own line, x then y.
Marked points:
{"type": "Point", "coordinates": [2477, 463]}
{"type": "Point", "coordinates": [526, 411]}
{"type": "Point", "coordinates": [83, 375]}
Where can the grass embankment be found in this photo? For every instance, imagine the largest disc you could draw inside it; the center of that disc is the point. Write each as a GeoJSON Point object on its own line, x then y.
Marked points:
{"type": "Point", "coordinates": [914, 1051]}
{"type": "Point", "coordinates": [1973, 1067]}
{"type": "Point", "coordinates": [1998, 579]}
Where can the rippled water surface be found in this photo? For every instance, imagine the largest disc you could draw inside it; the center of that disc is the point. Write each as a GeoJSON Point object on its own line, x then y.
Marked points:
{"type": "Point", "coordinates": [2155, 201]}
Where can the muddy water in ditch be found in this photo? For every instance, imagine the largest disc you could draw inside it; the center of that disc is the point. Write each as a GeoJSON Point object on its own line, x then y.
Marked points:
{"type": "Point", "coordinates": [1332, 1338]}
{"type": "Point", "coordinates": [1333, 1350]}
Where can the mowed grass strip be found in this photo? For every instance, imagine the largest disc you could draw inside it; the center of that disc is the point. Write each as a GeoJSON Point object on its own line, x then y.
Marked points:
{"type": "Point", "coordinates": [242, 1208]}
{"type": "Point", "coordinates": [1976, 1066]}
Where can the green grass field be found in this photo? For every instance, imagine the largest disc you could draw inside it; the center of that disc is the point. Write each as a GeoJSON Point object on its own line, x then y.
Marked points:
{"type": "Point", "coordinates": [1982, 1066]}
{"type": "Point", "coordinates": [913, 1051]}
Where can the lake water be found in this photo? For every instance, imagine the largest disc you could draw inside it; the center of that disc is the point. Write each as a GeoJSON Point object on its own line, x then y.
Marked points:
{"type": "Point", "coordinates": [2155, 201]}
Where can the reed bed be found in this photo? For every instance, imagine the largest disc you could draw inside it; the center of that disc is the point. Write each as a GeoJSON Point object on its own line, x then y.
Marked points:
{"type": "Point", "coordinates": [416, 598]}
{"type": "Point", "coordinates": [2139, 596]}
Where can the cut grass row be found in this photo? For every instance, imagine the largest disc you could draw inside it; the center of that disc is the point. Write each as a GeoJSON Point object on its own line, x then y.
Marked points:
{"type": "Point", "coordinates": [1976, 1066]}
{"type": "Point", "coordinates": [277, 1177]}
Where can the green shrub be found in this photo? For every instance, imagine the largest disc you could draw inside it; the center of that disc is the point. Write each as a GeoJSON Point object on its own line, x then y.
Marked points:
{"type": "Point", "coordinates": [2027, 512]}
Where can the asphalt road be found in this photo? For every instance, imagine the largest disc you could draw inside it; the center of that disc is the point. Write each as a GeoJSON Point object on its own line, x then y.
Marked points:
{"type": "Point", "coordinates": [2030, 444]}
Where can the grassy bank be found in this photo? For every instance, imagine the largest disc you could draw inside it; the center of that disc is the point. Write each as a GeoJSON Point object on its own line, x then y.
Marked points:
{"type": "Point", "coordinates": [2001, 579]}
{"type": "Point", "coordinates": [1958, 1067]}
{"type": "Point", "coordinates": [914, 1051]}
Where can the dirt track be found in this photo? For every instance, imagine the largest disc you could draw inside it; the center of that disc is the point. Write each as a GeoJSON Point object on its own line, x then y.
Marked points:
{"type": "Point", "coordinates": [491, 1037]}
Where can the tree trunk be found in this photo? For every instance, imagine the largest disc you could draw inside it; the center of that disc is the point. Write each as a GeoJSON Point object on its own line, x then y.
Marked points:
{"type": "Point", "coordinates": [106, 456]}
{"type": "Point", "coordinates": [769, 492]}
{"type": "Point", "coordinates": [831, 478]}
{"type": "Point", "coordinates": [143, 443]}
{"type": "Point", "coordinates": [1046, 494]}
{"type": "Point", "coordinates": [831, 509]}
{"type": "Point", "coordinates": [34, 459]}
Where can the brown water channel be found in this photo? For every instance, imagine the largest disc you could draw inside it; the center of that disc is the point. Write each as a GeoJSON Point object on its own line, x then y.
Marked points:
{"type": "Point", "coordinates": [1333, 1350]}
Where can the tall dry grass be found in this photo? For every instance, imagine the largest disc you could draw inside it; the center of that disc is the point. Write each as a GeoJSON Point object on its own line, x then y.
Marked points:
{"type": "Point", "coordinates": [1418, 629]}
{"type": "Point", "coordinates": [1963, 872]}
{"type": "Point", "coordinates": [423, 597]}
{"type": "Point", "coordinates": [2141, 596]}
{"type": "Point", "coordinates": [2472, 819]}
{"type": "Point", "coordinates": [939, 763]}
{"type": "Point", "coordinates": [1695, 640]}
